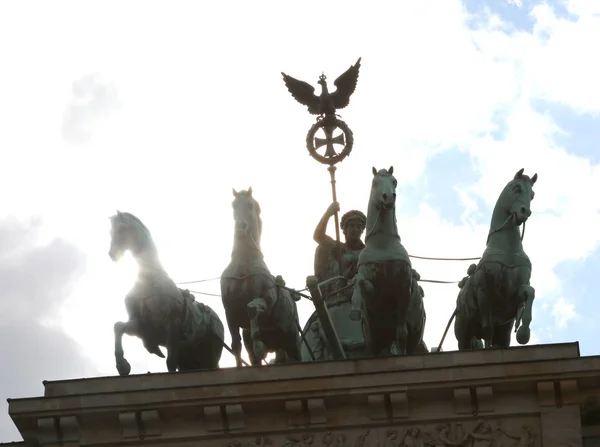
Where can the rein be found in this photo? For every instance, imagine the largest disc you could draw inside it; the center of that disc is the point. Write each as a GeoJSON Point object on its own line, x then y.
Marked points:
{"type": "Point", "coordinates": [511, 217]}
{"type": "Point", "coordinates": [379, 213]}
{"type": "Point", "coordinates": [373, 227]}
{"type": "Point", "coordinates": [255, 244]}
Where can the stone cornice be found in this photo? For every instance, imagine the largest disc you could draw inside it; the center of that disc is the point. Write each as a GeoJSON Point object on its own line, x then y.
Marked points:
{"type": "Point", "coordinates": [351, 393]}
{"type": "Point", "coordinates": [301, 371]}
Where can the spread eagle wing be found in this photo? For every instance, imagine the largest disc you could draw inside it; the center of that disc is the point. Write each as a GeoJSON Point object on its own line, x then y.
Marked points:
{"type": "Point", "coordinates": [303, 92]}
{"type": "Point", "coordinates": [346, 84]}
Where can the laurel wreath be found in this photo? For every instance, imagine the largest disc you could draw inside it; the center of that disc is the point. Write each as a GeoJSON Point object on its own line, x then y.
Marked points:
{"type": "Point", "coordinates": [310, 137]}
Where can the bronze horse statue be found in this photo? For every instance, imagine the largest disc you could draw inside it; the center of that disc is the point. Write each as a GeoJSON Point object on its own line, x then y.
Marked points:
{"type": "Point", "coordinates": [253, 299]}
{"type": "Point", "coordinates": [496, 294]}
{"type": "Point", "coordinates": [383, 287]}
{"type": "Point", "coordinates": [159, 312]}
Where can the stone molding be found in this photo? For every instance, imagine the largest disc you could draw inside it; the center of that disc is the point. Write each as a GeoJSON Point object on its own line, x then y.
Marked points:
{"type": "Point", "coordinates": [353, 400]}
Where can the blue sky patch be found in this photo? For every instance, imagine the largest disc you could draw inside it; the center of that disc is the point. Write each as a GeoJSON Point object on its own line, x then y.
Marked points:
{"type": "Point", "coordinates": [576, 277]}
{"type": "Point", "coordinates": [517, 18]}
{"type": "Point", "coordinates": [581, 130]}
{"type": "Point", "coordinates": [445, 171]}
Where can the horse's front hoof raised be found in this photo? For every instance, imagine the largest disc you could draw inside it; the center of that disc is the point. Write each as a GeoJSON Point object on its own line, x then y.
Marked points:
{"type": "Point", "coordinates": [523, 335]}
{"type": "Point", "coordinates": [123, 367]}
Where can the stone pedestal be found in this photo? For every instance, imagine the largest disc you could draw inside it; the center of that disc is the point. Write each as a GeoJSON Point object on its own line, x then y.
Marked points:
{"type": "Point", "coordinates": [524, 396]}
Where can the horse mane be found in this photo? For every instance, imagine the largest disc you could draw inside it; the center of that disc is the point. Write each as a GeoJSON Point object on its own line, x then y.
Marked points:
{"type": "Point", "coordinates": [384, 173]}
{"type": "Point", "coordinates": [518, 179]}
{"type": "Point", "coordinates": [374, 221]}
{"type": "Point", "coordinates": [128, 218]}
{"type": "Point", "coordinates": [513, 181]}
{"type": "Point", "coordinates": [258, 210]}
{"type": "Point", "coordinates": [137, 220]}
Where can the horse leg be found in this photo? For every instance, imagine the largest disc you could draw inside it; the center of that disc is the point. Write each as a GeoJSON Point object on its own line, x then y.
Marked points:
{"type": "Point", "coordinates": [292, 349]}
{"type": "Point", "coordinates": [400, 343]}
{"type": "Point", "coordinates": [487, 330]}
{"type": "Point", "coordinates": [173, 349]}
{"type": "Point", "coordinates": [464, 336]}
{"type": "Point", "coordinates": [256, 308]}
{"type": "Point", "coordinates": [501, 337]}
{"type": "Point", "coordinates": [362, 288]}
{"type": "Point", "coordinates": [403, 273]}
{"type": "Point", "coordinates": [525, 294]}
{"type": "Point", "coordinates": [121, 328]}
{"type": "Point", "coordinates": [249, 347]}
{"type": "Point", "coordinates": [236, 340]}
{"type": "Point", "coordinates": [459, 332]}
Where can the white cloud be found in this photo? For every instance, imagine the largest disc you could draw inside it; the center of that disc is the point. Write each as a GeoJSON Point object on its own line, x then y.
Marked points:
{"type": "Point", "coordinates": [583, 8]}
{"type": "Point", "coordinates": [563, 312]}
{"type": "Point", "coordinates": [92, 101]}
{"type": "Point", "coordinates": [563, 69]}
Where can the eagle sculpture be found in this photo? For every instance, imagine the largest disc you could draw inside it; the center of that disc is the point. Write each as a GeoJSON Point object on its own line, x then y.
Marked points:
{"type": "Point", "coordinates": [327, 103]}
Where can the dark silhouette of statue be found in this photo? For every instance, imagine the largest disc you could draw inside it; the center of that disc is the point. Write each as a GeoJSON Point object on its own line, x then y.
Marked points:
{"type": "Point", "coordinates": [329, 250]}
{"type": "Point", "coordinates": [327, 103]}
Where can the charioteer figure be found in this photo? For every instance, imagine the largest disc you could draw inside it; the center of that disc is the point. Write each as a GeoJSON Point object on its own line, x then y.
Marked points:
{"type": "Point", "coordinates": [333, 258]}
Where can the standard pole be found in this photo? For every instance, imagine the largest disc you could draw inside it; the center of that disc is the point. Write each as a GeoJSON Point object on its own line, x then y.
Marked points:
{"type": "Point", "coordinates": [332, 170]}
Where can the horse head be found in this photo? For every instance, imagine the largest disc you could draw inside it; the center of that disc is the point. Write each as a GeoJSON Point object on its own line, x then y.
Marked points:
{"type": "Point", "coordinates": [383, 189]}
{"type": "Point", "coordinates": [246, 214]}
{"type": "Point", "coordinates": [516, 197]}
{"type": "Point", "coordinates": [126, 234]}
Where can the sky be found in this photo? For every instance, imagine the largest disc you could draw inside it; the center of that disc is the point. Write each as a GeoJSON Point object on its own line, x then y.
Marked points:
{"type": "Point", "coordinates": [160, 110]}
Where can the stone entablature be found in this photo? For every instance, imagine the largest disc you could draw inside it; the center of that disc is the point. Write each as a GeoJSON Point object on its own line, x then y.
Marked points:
{"type": "Point", "coordinates": [527, 396]}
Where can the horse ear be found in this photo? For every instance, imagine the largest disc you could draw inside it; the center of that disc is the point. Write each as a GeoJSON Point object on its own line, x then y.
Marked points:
{"type": "Point", "coordinates": [374, 171]}
{"type": "Point", "coordinates": [235, 193]}
{"type": "Point", "coordinates": [119, 213]}
{"type": "Point", "coordinates": [520, 173]}
{"type": "Point", "coordinates": [534, 178]}
{"type": "Point", "coordinates": [250, 190]}
{"type": "Point", "coordinates": [391, 170]}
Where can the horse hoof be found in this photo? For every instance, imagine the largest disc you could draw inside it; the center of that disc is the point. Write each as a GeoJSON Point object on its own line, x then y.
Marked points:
{"type": "Point", "coordinates": [486, 331]}
{"type": "Point", "coordinates": [523, 335]}
{"type": "Point", "coordinates": [171, 366]}
{"type": "Point", "coordinates": [355, 315]}
{"type": "Point", "coordinates": [123, 367]}
{"type": "Point", "coordinates": [260, 351]}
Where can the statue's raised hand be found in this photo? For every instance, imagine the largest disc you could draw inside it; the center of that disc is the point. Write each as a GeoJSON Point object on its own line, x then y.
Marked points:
{"type": "Point", "coordinates": [333, 208]}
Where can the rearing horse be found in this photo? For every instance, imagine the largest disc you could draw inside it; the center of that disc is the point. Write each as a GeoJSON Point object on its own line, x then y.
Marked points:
{"type": "Point", "coordinates": [382, 292]}
{"type": "Point", "coordinates": [159, 312]}
{"type": "Point", "coordinates": [497, 293]}
{"type": "Point", "coordinates": [252, 297]}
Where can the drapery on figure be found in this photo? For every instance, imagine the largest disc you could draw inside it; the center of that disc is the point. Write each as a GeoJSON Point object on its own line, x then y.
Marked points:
{"type": "Point", "coordinates": [353, 225]}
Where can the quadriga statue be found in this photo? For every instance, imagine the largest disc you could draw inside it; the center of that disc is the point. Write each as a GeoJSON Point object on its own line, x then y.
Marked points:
{"type": "Point", "coordinates": [159, 312]}
{"type": "Point", "coordinates": [496, 295]}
